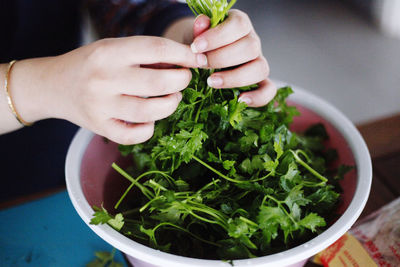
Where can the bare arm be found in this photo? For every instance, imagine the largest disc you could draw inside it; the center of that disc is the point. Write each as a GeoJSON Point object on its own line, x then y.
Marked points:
{"type": "Point", "coordinates": [101, 87]}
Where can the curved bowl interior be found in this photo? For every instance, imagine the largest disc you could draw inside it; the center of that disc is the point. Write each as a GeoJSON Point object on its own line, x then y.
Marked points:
{"type": "Point", "coordinates": [92, 181]}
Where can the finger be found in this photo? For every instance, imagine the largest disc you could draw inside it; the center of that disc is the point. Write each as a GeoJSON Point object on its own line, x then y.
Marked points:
{"type": "Point", "coordinates": [235, 27]}
{"type": "Point", "coordinates": [128, 133]}
{"type": "Point", "coordinates": [149, 82]}
{"type": "Point", "coordinates": [246, 49]}
{"type": "Point", "coordinates": [141, 110]}
{"type": "Point", "coordinates": [138, 50]}
{"type": "Point", "coordinates": [247, 74]}
{"type": "Point", "coordinates": [261, 96]}
{"type": "Point", "coordinates": [201, 24]}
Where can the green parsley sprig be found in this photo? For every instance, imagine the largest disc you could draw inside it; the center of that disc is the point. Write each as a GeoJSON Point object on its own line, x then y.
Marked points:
{"type": "Point", "coordinates": [220, 180]}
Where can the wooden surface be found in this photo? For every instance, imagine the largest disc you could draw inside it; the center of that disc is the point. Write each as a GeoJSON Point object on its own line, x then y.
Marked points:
{"type": "Point", "coordinates": [382, 136]}
{"type": "Point", "coordinates": [383, 141]}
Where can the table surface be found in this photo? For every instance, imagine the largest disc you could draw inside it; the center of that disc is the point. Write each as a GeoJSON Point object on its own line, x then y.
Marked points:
{"type": "Point", "coordinates": [38, 239]}
{"type": "Point", "coordinates": [47, 232]}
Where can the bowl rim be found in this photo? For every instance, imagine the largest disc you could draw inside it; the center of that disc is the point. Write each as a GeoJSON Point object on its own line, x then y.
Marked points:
{"type": "Point", "coordinates": [291, 256]}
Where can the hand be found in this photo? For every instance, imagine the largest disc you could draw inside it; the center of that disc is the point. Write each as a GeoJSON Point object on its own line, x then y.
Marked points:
{"type": "Point", "coordinates": [107, 86]}
{"type": "Point", "coordinates": [234, 43]}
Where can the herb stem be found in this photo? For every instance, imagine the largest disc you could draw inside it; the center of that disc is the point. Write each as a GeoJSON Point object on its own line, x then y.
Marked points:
{"type": "Point", "coordinates": [217, 172]}
{"type": "Point", "coordinates": [279, 203]}
{"type": "Point", "coordinates": [213, 182]}
{"type": "Point", "coordinates": [308, 167]}
{"type": "Point", "coordinates": [216, 214]}
{"type": "Point", "coordinates": [131, 211]}
{"type": "Point", "coordinates": [142, 188]}
{"type": "Point", "coordinates": [148, 203]}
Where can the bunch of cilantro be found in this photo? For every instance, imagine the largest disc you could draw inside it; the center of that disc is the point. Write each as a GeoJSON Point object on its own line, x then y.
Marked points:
{"type": "Point", "coordinates": [220, 180]}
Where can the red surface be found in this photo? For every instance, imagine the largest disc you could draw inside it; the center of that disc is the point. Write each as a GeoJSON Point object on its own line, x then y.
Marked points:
{"type": "Point", "coordinates": [101, 184]}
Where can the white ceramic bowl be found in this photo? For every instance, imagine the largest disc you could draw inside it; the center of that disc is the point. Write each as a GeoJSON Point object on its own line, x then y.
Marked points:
{"type": "Point", "coordinates": [88, 175]}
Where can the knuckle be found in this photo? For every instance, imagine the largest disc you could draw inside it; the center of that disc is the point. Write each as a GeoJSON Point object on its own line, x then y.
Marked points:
{"type": "Point", "coordinates": [265, 66]}
{"type": "Point", "coordinates": [185, 76]}
{"type": "Point", "coordinates": [254, 48]}
{"type": "Point", "coordinates": [160, 46]}
{"type": "Point", "coordinates": [146, 114]}
{"type": "Point", "coordinates": [232, 79]}
{"type": "Point", "coordinates": [242, 21]}
{"type": "Point", "coordinates": [139, 134]}
{"type": "Point", "coordinates": [169, 106]}
{"type": "Point", "coordinates": [174, 81]}
{"type": "Point", "coordinates": [92, 90]}
{"type": "Point", "coordinates": [174, 104]}
{"type": "Point", "coordinates": [215, 61]}
{"type": "Point", "coordinates": [273, 88]}
{"type": "Point", "coordinates": [134, 109]}
{"type": "Point", "coordinates": [158, 85]}
{"type": "Point", "coordinates": [188, 56]}
{"type": "Point", "coordinates": [147, 132]}
{"type": "Point", "coordinates": [97, 58]}
{"type": "Point", "coordinates": [126, 139]}
{"type": "Point", "coordinates": [99, 50]}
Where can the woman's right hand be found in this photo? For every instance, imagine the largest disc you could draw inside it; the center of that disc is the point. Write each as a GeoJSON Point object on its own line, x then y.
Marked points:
{"type": "Point", "coordinates": [107, 86]}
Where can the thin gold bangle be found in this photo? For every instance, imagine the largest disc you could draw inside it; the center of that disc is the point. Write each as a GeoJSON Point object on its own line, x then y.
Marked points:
{"type": "Point", "coordinates": [9, 100]}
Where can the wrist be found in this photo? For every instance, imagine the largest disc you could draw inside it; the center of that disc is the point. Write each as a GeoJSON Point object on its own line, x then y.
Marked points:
{"type": "Point", "coordinates": [7, 120]}
{"type": "Point", "coordinates": [29, 89]}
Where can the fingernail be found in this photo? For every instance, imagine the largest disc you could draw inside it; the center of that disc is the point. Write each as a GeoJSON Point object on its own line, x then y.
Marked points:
{"type": "Point", "coordinates": [245, 99]}
{"type": "Point", "coordinates": [201, 60]}
{"type": "Point", "coordinates": [199, 46]}
{"type": "Point", "coordinates": [215, 81]}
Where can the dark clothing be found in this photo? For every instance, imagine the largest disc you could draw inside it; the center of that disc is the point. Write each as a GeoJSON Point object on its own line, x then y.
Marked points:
{"type": "Point", "coordinates": [32, 158]}
{"type": "Point", "coordinates": [134, 17]}
{"type": "Point", "coordinates": [38, 28]}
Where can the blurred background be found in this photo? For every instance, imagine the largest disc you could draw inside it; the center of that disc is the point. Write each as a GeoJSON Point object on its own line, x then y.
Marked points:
{"type": "Point", "coordinates": [347, 52]}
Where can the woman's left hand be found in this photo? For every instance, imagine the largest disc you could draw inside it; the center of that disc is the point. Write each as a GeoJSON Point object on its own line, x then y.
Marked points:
{"type": "Point", "coordinates": [234, 43]}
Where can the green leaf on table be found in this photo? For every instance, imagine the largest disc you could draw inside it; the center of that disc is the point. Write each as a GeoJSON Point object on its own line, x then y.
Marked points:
{"type": "Point", "coordinates": [104, 259]}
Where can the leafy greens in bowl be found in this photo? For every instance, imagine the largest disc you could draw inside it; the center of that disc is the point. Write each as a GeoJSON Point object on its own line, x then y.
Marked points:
{"type": "Point", "coordinates": [222, 181]}
{"type": "Point", "coordinates": [253, 189]}
{"type": "Point", "coordinates": [91, 181]}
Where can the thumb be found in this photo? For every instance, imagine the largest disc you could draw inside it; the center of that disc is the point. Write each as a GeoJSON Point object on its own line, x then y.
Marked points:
{"type": "Point", "coordinates": [201, 24]}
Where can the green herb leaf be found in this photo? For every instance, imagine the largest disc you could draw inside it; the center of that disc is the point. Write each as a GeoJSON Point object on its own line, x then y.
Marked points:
{"type": "Point", "coordinates": [101, 216]}
{"type": "Point", "coordinates": [104, 259]}
{"type": "Point", "coordinates": [221, 180]}
{"type": "Point", "coordinates": [312, 221]}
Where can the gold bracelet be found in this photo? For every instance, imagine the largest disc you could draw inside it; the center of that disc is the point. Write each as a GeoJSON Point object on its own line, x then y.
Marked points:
{"type": "Point", "coordinates": [9, 100]}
